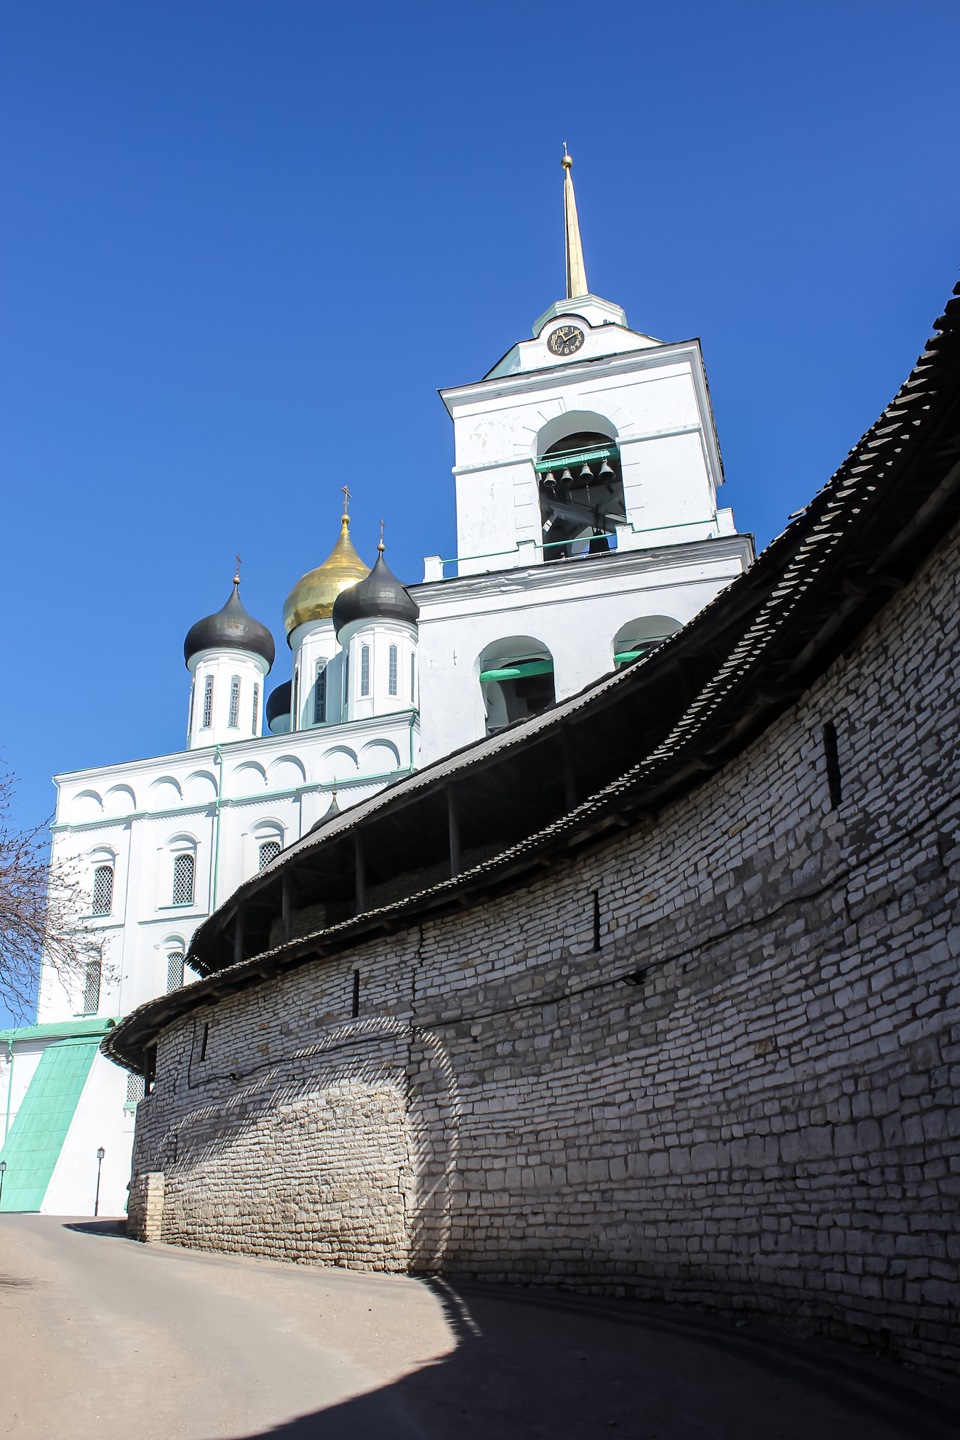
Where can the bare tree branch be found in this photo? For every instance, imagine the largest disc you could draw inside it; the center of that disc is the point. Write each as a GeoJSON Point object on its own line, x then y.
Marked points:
{"type": "Point", "coordinates": [40, 910]}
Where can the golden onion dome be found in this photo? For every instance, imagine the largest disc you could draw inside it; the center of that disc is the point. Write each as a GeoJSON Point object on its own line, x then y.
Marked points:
{"type": "Point", "coordinates": [313, 595]}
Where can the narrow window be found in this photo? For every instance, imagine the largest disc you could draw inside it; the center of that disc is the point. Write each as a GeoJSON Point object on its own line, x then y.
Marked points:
{"type": "Point", "coordinates": [183, 869]}
{"type": "Point", "coordinates": [208, 703]}
{"type": "Point", "coordinates": [190, 715]}
{"type": "Point", "coordinates": [413, 679]}
{"type": "Point", "coordinates": [296, 698]}
{"type": "Point", "coordinates": [256, 709]}
{"type": "Point", "coordinates": [234, 719]}
{"type": "Point", "coordinates": [91, 988]}
{"type": "Point", "coordinates": [392, 674]}
{"type": "Point", "coordinates": [320, 694]}
{"type": "Point", "coordinates": [134, 1088]}
{"type": "Point", "coordinates": [355, 1007]}
{"type": "Point", "coordinates": [149, 1068]}
{"type": "Point", "coordinates": [364, 669]}
{"type": "Point", "coordinates": [596, 919]}
{"type": "Point", "coordinates": [174, 970]}
{"type": "Point", "coordinates": [269, 851]}
{"type": "Point", "coordinates": [346, 679]}
{"type": "Point", "coordinates": [832, 756]}
{"type": "Point", "coordinates": [103, 890]}
{"type": "Point", "coordinates": [203, 1042]}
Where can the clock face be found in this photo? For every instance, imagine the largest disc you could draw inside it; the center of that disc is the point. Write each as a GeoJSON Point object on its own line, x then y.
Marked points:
{"type": "Point", "coordinates": [565, 340]}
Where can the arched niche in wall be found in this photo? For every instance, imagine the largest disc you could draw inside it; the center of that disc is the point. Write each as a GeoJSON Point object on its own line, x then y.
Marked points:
{"type": "Point", "coordinates": [247, 779]}
{"type": "Point", "coordinates": [580, 483]}
{"type": "Point", "coordinates": [516, 680]}
{"type": "Point", "coordinates": [379, 757]}
{"type": "Point", "coordinates": [164, 794]}
{"type": "Point", "coordinates": [286, 773]}
{"type": "Point", "coordinates": [119, 800]}
{"type": "Point", "coordinates": [200, 788]}
{"type": "Point", "coordinates": [86, 806]}
{"type": "Point", "coordinates": [638, 637]}
{"type": "Point", "coordinates": [339, 763]}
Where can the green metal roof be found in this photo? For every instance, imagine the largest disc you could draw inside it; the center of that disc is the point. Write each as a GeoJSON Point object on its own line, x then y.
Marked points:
{"type": "Point", "coordinates": [60, 1029]}
{"type": "Point", "coordinates": [32, 1147]}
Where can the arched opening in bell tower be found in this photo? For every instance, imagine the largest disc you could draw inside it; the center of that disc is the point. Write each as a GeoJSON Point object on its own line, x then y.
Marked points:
{"type": "Point", "coordinates": [580, 482]}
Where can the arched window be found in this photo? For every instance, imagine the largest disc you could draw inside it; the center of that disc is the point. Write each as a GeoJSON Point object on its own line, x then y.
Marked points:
{"type": "Point", "coordinates": [638, 637]}
{"type": "Point", "coordinates": [91, 988]}
{"type": "Point", "coordinates": [234, 718]}
{"type": "Point", "coordinates": [184, 867]}
{"type": "Point", "coordinates": [267, 852]}
{"type": "Point", "coordinates": [256, 709]}
{"type": "Point", "coordinates": [516, 678]}
{"type": "Point", "coordinates": [102, 890]}
{"type": "Point", "coordinates": [175, 958]}
{"type": "Point", "coordinates": [581, 495]}
{"type": "Point", "coordinates": [392, 670]}
{"type": "Point", "coordinates": [320, 694]}
{"type": "Point", "coordinates": [364, 669]}
{"type": "Point", "coordinates": [208, 703]}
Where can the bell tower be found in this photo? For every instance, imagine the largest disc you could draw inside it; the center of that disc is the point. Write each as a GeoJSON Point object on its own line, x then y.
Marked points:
{"type": "Point", "coordinates": [586, 438]}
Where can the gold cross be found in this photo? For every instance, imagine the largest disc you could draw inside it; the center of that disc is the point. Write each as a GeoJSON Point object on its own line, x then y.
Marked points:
{"type": "Point", "coordinates": [346, 497]}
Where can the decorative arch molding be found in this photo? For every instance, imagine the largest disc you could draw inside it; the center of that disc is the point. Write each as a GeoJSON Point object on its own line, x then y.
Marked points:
{"type": "Point", "coordinates": [287, 773]}
{"type": "Point", "coordinates": [338, 763]}
{"type": "Point", "coordinates": [120, 800]}
{"type": "Point", "coordinates": [200, 788]}
{"type": "Point", "coordinates": [88, 805]}
{"type": "Point", "coordinates": [164, 793]}
{"type": "Point", "coordinates": [248, 779]}
{"type": "Point", "coordinates": [379, 757]}
{"type": "Point", "coordinates": [571, 422]}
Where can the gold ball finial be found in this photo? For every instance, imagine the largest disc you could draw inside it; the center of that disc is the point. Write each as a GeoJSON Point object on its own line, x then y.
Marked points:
{"type": "Point", "coordinates": [567, 161]}
{"type": "Point", "coordinates": [236, 573]}
{"type": "Point", "coordinates": [380, 545]}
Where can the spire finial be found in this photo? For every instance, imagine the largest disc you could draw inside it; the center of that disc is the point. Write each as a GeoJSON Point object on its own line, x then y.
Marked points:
{"type": "Point", "coordinates": [576, 273]}
{"type": "Point", "coordinates": [380, 545]}
{"type": "Point", "coordinates": [345, 517]}
{"type": "Point", "coordinates": [236, 573]}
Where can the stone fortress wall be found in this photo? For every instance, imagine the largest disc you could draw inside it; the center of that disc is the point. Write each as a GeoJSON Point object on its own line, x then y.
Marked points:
{"type": "Point", "coordinates": [714, 1061]}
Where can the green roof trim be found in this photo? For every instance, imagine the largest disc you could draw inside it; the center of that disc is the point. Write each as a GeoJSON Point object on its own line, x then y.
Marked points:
{"type": "Point", "coordinates": [36, 1137]}
{"type": "Point", "coordinates": [517, 671]}
{"type": "Point", "coordinates": [60, 1030]}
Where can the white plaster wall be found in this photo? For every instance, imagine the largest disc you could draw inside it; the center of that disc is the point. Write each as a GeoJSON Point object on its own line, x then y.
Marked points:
{"type": "Point", "coordinates": [15, 1078]}
{"type": "Point", "coordinates": [99, 1120]}
{"type": "Point", "coordinates": [653, 401]}
{"type": "Point", "coordinates": [575, 608]}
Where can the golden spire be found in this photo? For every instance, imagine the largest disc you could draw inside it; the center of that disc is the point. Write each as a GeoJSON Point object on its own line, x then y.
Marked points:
{"type": "Point", "coordinates": [576, 274]}
{"type": "Point", "coordinates": [236, 573]}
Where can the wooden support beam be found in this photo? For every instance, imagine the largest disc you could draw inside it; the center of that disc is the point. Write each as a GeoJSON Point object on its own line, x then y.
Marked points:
{"type": "Point", "coordinates": [360, 874]}
{"type": "Point", "coordinates": [569, 774]}
{"type": "Point", "coordinates": [238, 938]}
{"type": "Point", "coordinates": [453, 822]}
{"type": "Point", "coordinates": [286, 909]}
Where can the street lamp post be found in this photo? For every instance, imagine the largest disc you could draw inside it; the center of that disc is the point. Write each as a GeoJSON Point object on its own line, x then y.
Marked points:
{"type": "Point", "coordinates": [100, 1154]}
{"type": "Point", "coordinates": [3, 1171]}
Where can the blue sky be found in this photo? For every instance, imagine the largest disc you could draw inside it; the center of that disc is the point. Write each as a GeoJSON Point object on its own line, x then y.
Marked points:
{"type": "Point", "coordinates": [244, 244]}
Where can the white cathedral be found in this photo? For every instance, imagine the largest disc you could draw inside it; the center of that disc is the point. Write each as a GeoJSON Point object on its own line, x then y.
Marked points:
{"type": "Point", "coordinates": [587, 468]}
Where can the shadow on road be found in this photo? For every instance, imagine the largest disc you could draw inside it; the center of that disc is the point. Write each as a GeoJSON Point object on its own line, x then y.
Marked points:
{"type": "Point", "coordinates": [552, 1367]}
{"type": "Point", "coordinates": [113, 1229]}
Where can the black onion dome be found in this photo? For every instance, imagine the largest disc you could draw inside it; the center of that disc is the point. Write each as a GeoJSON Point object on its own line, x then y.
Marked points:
{"type": "Point", "coordinates": [230, 629]}
{"type": "Point", "coordinates": [278, 702]}
{"type": "Point", "coordinates": [379, 597]}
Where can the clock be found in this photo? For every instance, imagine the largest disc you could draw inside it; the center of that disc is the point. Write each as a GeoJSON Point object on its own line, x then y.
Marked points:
{"type": "Point", "coordinates": [565, 340]}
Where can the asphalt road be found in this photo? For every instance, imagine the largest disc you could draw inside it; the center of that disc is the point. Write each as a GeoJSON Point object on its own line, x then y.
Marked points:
{"type": "Point", "coordinates": [100, 1336]}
